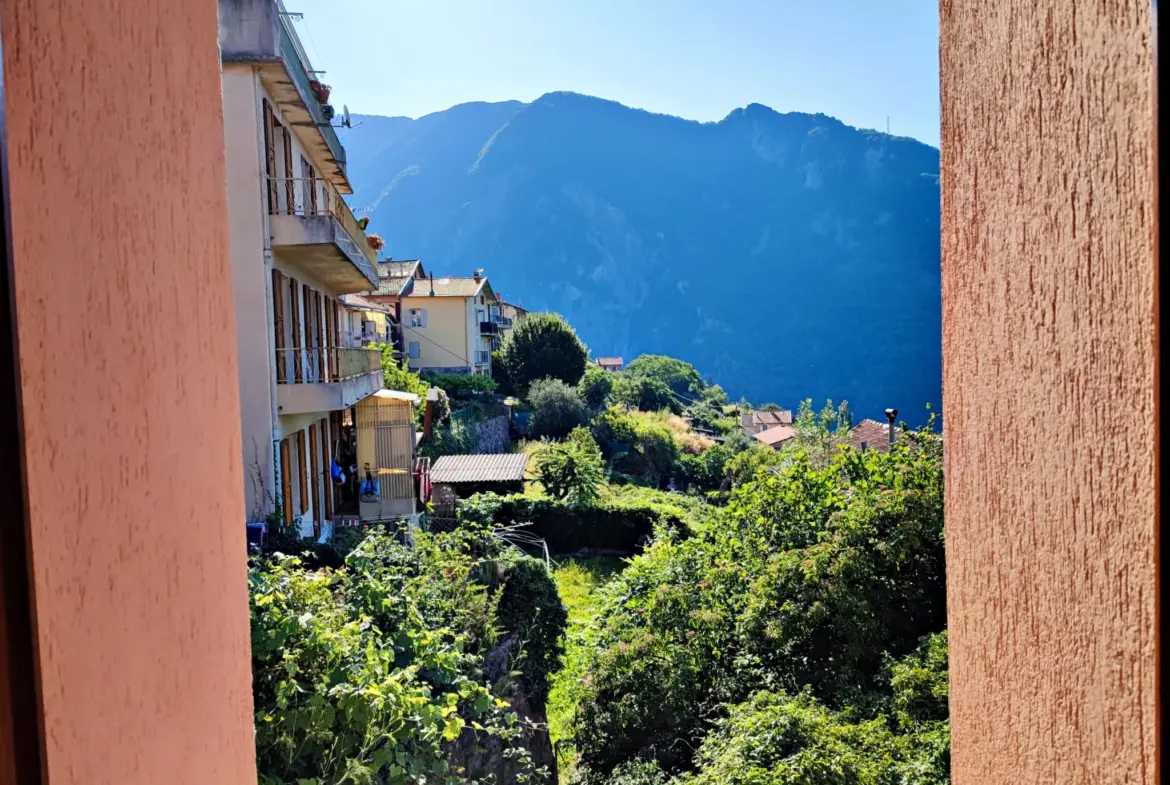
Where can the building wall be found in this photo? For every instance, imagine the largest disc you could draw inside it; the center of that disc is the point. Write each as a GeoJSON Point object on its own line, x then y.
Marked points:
{"type": "Point", "coordinates": [444, 342]}
{"type": "Point", "coordinates": [248, 223]}
{"type": "Point", "coordinates": [1049, 230]}
{"type": "Point", "coordinates": [135, 499]}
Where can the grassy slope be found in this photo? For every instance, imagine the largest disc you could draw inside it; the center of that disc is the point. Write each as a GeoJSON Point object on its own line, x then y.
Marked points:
{"type": "Point", "coordinates": [576, 579]}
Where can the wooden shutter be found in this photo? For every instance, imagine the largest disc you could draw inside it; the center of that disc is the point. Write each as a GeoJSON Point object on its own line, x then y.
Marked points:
{"type": "Point", "coordinates": [311, 184]}
{"type": "Point", "coordinates": [301, 460]}
{"type": "Point", "coordinates": [295, 299]}
{"type": "Point", "coordinates": [270, 155]}
{"type": "Point", "coordinates": [289, 193]}
{"type": "Point", "coordinates": [307, 294]}
{"type": "Point", "coordinates": [278, 326]}
{"type": "Point", "coordinates": [318, 321]}
{"type": "Point", "coordinates": [286, 482]}
{"type": "Point", "coordinates": [331, 335]}
{"type": "Point", "coordinates": [315, 480]}
{"type": "Point", "coordinates": [327, 465]}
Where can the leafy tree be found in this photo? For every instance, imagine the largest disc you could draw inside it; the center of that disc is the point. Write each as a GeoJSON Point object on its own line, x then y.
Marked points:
{"type": "Point", "coordinates": [681, 377]}
{"type": "Point", "coordinates": [396, 376]}
{"type": "Point", "coordinates": [645, 394]}
{"type": "Point", "coordinates": [463, 386]}
{"type": "Point", "coordinates": [500, 374]}
{"type": "Point", "coordinates": [595, 386]}
{"type": "Point", "coordinates": [543, 346]}
{"type": "Point", "coordinates": [715, 396]}
{"type": "Point", "coordinates": [573, 469]}
{"type": "Point", "coordinates": [556, 408]}
{"type": "Point", "coordinates": [771, 407]}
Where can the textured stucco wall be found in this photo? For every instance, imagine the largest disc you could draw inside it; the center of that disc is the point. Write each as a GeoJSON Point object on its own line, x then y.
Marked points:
{"type": "Point", "coordinates": [128, 370]}
{"type": "Point", "coordinates": [248, 229]}
{"type": "Point", "coordinates": [1049, 308]}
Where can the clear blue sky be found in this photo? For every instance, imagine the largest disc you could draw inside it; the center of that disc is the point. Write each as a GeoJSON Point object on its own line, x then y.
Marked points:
{"type": "Point", "coordinates": [857, 60]}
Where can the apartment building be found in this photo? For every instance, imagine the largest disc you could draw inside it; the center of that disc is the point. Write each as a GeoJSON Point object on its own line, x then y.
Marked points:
{"type": "Point", "coordinates": [450, 325]}
{"type": "Point", "coordinates": [296, 251]}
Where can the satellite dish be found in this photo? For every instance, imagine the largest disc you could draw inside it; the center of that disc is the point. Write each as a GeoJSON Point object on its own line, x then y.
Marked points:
{"type": "Point", "coordinates": [345, 116]}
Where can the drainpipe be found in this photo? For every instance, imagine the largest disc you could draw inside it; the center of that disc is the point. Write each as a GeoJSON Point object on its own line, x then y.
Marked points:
{"type": "Point", "coordinates": [891, 415]}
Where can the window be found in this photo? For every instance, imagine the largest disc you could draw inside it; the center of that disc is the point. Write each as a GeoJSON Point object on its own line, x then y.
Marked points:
{"type": "Point", "coordinates": [415, 352]}
{"type": "Point", "coordinates": [418, 317]}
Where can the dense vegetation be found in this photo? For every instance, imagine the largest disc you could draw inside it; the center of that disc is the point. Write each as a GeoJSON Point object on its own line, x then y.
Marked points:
{"type": "Point", "coordinates": [379, 672]}
{"type": "Point", "coordinates": [801, 621]}
{"type": "Point", "coordinates": [780, 619]}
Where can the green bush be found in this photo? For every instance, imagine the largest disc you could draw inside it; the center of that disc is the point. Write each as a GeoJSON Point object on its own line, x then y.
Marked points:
{"type": "Point", "coordinates": [595, 386]}
{"type": "Point", "coordinates": [572, 470]}
{"type": "Point", "coordinates": [644, 394]}
{"type": "Point", "coordinates": [618, 525]}
{"type": "Point", "coordinates": [636, 445]}
{"type": "Point", "coordinates": [807, 580]}
{"type": "Point", "coordinates": [370, 673]}
{"type": "Point", "coordinates": [463, 386]}
{"type": "Point", "coordinates": [681, 377]}
{"type": "Point", "coordinates": [396, 376]}
{"type": "Point", "coordinates": [455, 438]}
{"type": "Point", "coordinates": [543, 346]}
{"type": "Point", "coordinates": [531, 608]}
{"type": "Point", "coordinates": [556, 409]}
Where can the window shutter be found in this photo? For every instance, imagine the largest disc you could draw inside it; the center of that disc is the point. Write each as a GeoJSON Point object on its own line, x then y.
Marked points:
{"type": "Point", "coordinates": [319, 320]}
{"type": "Point", "coordinates": [286, 501]}
{"type": "Point", "coordinates": [315, 478]}
{"type": "Point", "coordinates": [278, 326]}
{"type": "Point", "coordinates": [301, 460]}
{"type": "Point", "coordinates": [294, 289]}
{"type": "Point", "coordinates": [289, 194]}
{"type": "Point", "coordinates": [327, 465]}
{"type": "Point", "coordinates": [270, 155]}
{"type": "Point", "coordinates": [422, 317]}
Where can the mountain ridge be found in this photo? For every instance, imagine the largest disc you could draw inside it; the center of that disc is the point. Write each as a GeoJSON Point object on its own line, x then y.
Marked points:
{"type": "Point", "coordinates": [710, 241]}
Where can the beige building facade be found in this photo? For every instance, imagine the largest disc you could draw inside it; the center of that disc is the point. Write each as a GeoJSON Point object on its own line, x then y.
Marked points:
{"type": "Point", "coordinates": [449, 325]}
{"type": "Point", "coordinates": [296, 250]}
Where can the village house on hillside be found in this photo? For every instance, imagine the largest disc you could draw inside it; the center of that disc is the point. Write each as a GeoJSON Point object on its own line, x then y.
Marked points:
{"type": "Point", "coordinates": [450, 325]}
{"type": "Point", "coordinates": [611, 364]}
{"type": "Point", "coordinates": [872, 435]}
{"type": "Point", "coordinates": [775, 436]}
{"type": "Point", "coordinates": [756, 422]}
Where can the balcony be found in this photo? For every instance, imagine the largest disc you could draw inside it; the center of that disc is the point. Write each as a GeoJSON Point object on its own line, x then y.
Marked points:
{"type": "Point", "coordinates": [502, 322]}
{"type": "Point", "coordinates": [489, 328]}
{"type": "Point", "coordinates": [482, 357]}
{"type": "Point", "coordinates": [325, 379]}
{"type": "Point", "coordinates": [259, 32]}
{"type": "Point", "coordinates": [313, 227]}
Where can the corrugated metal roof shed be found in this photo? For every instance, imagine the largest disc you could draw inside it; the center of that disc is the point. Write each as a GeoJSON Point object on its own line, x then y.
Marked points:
{"type": "Point", "coordinates": [452, 469]}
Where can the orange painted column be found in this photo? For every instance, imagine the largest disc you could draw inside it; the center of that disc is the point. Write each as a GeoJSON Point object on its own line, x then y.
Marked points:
{"type": "Point", "coordinates": [128, 377]}
{"type": "Point", "coordinates": [1049, 389]}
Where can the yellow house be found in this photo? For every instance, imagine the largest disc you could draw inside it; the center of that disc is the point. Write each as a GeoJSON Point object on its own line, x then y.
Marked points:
{"type": "Point", "coordinates": [447, 324]}
{"type": "Point", "coordinates": [296, 251]}
{"type": "Point", "coordinates": [368, 322]}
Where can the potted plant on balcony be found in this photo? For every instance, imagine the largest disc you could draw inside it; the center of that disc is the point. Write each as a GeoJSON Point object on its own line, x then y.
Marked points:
{"type": "Point", "coordinates": [363, 222]}
{"type": "Point", "coordinates": [321, 91]}
{"type": "Point", "coordinates": [376, 243]}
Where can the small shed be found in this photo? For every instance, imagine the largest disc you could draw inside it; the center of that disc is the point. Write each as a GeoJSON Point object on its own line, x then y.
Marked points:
{"type": "Point", "coordinates": [385, 455]}
{"type": "Point", "coordinates": [464, 475]}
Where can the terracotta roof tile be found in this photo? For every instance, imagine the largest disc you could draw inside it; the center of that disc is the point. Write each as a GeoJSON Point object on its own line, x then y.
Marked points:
{"type": "Point", "coordinates": [871, 435]}
{"type": "Point", "coordinates": [775, 435]}
{"type": "Point", "coordinates": [447, 287]}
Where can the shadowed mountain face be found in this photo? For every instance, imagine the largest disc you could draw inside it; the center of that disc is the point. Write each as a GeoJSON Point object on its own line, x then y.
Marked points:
{"type": "Point", "coordinates": [784, 255]}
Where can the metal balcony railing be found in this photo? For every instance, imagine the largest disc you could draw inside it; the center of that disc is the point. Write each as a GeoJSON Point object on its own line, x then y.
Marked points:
{"type": "Point", "coordinates": [488, 328]}
{"type": "Point", "coordinates": [503, 322]}
{"type": "Point", "coordinates": [298, 65]}
{"type": "Point", "coordinates": [324, 365]}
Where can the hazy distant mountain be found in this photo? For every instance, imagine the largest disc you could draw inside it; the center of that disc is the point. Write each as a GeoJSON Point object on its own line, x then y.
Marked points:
{"type": "Point", "coordinates": [785, 255]}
